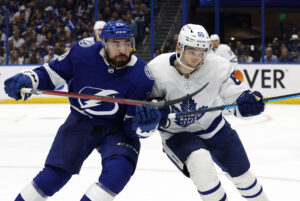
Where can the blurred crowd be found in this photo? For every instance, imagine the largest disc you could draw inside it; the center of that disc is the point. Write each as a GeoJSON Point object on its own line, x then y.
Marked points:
{"type": "Point", "coordinates": [40, 30]}
{"type": "Point", "coordinates": [279, 50]}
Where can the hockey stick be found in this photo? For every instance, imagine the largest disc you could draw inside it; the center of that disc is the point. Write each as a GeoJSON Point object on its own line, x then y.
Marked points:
{"type": "Point", "coordinates": [226, 107]}
{"type": "Point", "coordinates": [111, 99]}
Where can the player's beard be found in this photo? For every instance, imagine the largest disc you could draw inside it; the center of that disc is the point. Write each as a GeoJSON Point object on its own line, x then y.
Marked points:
{"type": "Point", "coordinates": [115, 62]}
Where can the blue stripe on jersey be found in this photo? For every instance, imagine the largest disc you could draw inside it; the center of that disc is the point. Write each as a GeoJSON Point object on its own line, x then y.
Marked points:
{"type": "Point", "coordinates": [212, 126]}
{"type": "Point", "coordinates": [248, 188]}
{"type": "Point", "coordinates": [224, 197]}
{"type": "Point", "coordinates": [255, 195]}
{"type": "Point", "coordinates": [211, 190]}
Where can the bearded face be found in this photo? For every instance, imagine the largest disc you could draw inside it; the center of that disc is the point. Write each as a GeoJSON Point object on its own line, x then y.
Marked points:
{"type": "Point", "coordinates": [118, 52]}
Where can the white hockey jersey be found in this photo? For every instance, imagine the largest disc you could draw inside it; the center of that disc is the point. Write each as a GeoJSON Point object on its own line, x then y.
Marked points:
{"type": "Point", "coordinates": [225, 51]}
{"type": "Point", "coordinates": [169, 84]}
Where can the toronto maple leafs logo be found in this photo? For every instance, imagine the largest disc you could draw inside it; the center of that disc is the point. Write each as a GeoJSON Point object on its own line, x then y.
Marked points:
{"type": "Point", "coordinates": [185, 106]}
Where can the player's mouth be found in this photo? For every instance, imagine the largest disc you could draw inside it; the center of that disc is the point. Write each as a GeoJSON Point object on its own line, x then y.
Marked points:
{"type": "Point", "coordinates": [122, 57]}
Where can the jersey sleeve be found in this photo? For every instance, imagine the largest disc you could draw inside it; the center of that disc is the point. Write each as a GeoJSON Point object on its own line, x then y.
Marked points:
{"type": "Point", "coordinates": [56, 73]}
{"type": "Point", "coordinates": [231, 87]}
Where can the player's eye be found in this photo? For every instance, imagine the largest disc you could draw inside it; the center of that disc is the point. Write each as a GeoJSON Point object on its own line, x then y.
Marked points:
{"type": "Point", "coordinates": [116, 45]}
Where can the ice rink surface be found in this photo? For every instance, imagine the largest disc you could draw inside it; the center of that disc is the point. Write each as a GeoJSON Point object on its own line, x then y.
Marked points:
{"type": "Point", "coordinates": [272, 141]}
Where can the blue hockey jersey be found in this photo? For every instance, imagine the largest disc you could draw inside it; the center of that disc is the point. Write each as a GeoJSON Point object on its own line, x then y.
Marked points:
{"type": "Point", "coordinates": [86, 71]}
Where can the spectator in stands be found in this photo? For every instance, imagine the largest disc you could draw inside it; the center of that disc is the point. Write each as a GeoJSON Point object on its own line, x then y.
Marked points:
{"type": "Point", "coordinates": [22, 55]}
{"type": "Point", "coordinates": [120, 12]}
{"type": "Point", "coordinates": [172, 44]}
{"type": "Point", "coordinates": [131, 23]}
{"type": "Point", "coordinates": [27, 32]}
{"type": "Point", "coordinates": [168, 47]}
{"type": "Point", "coordinates": [23, 21]}
{"type": "Point", "coordinates": [28, 45]}
{"type": "Point", "coordinates": [139, 18]}
{"type": "Point", "coordinates": [107, 13]}
{"type": "Point", "coordinates": [82, 8]}
{"type": "Point", "coordinates": [294, 47]}
{"type": "Point", "coordinates": [276, 47]}
{"type": "Point", "coordinates": [256, 53]}
{"type": "Point", "coordinates": [2, 37]}
{"type": "Point", "coordinates": [41, 36]}
{"type": "Point", "coordinates": [61, 33]}
{"type": "Point", "coordinates": [17, 40]}
{"type": "Point", "coordinates": [141, 5]}
{"type": "Point", "coordinates": [85, 35]}
{"type": "Point", "coordinates": [62, 46]}
{"type": "Point", "coordinates": [14, 58]}
{"type": "Point", "coordinates": [2, 56]}
{"type": "Point", "coordinates": [239, 49]}
{"type": "Point", "coordinates": [245, 57]}
{"type": "Point", "coordinates": [126, 6]}
{"type": "Point", "coordinates": [48, 14]}
{"type": "Point", "coordinates": [157, 51]}
{"type": "Point", "coordinates": [79, 29]}
{"type": "Point", "coordinates": [270, 57]}
{"type": "Point", "coordinates": [68, 39]}
{"type": "Point", "coordinates": [70, 23]}
{"type": "Point", "coordinates": [90, 30]}
{"type": "Point", "coordinates": [57, 49]}
{"type": "Point", "coordinates": [51, 40]}
{"type": "Point", "coordinates": [34, 58]}
{"type": "Point", "coordinates": [63, 14]}
{"type": "Point", "coordinates": [285, 56]}
{"type": "Point", "coordinates": [50, 56]}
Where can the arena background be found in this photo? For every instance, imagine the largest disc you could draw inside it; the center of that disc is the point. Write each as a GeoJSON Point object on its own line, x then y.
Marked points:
{"type": "Point", "coordinates": [247, 26]}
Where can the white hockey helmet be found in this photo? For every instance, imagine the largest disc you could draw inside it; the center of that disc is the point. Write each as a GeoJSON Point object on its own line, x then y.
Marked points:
{"type": "Point", "coordinates": [99, 25]}
{"type": "Point", "coordinates": [214, 37]}
{"type": "Point", "coordinates": [193, 35]}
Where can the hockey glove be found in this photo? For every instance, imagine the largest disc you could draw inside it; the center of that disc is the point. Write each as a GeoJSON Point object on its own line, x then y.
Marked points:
{"type": "Point", "coordinates": [250, 104]}
{"type": "Point", "coordinates": [146, 121]}
{"type": "Point", "coordinates": [13, 85]}
{"type": "Point", "coordinates": [164, 120]}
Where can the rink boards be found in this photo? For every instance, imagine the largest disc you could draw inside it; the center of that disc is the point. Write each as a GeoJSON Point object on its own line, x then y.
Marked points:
{"type": "Point", "coordinates": [269, 79]}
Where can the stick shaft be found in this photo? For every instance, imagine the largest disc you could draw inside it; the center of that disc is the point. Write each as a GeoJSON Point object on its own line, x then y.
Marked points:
{"type": "Point", "coordinates": [226, 107]}
{"type": "Point", "coordinates": [112, 99]}
{"type": "Point", "coordinates": [92, 97]}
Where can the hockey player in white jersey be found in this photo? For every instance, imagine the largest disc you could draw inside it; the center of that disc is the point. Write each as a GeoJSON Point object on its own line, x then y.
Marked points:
{"type": "Point", "coordinates": [193, 142]}
{"type": "Point", "coordinates": [98, 27]}
{"type": "Point", "coordinates": [222, 50]}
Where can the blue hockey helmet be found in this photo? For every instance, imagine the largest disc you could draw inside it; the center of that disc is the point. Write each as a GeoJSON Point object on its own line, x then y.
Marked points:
{"type": "Point", "coordinates": [116, 29]}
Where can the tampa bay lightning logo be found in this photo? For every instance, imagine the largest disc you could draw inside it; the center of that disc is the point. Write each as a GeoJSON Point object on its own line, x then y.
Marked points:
{"type": "Point", "coordinates": [188, 105]}
{"type": "Point", "coordinates": [86, 43]}
{"type": "Point", "coordinates": [97, 107]}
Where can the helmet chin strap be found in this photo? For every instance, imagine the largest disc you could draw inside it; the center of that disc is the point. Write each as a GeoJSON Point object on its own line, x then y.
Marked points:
{"type": "Point", "coordinates": [185, 66]}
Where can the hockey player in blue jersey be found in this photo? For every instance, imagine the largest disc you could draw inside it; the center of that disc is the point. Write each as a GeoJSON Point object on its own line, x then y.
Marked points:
{"type": "Point", "coordinates": [106, 69]}
{"type": "Point", "coordinates": [194, 141]}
